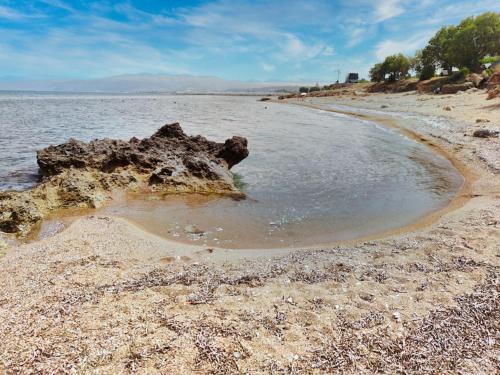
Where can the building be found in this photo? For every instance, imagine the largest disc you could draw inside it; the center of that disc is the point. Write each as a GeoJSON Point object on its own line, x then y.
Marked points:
{"type": "Point", "coordinates": [352, 78]}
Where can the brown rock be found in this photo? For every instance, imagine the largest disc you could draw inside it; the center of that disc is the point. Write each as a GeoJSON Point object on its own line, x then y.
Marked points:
{"type": "Point", "coordinates": [493, 93]}
{"type": "Point", "coordinates": [80, 174]}
{"type": "Point", "coordinates": [18, 212]}
{"type": "Point", "coordinates": [494, 79]}
{"type": "Point", "coordinates": [454, 88]}
{"type": "Point", "coordinates": [234, 151]}
{"type": "Point", "coordinates": [485, 133]}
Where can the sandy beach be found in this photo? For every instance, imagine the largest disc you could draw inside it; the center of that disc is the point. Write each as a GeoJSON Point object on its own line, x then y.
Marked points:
{"type": "Point", "coordinates": [104, 296]}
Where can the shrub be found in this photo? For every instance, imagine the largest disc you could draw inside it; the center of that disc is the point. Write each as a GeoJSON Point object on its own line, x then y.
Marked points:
{"type": "Point", "coordinates": [427, 72]}
{"type": "Point", "coordinates": [459, 76]}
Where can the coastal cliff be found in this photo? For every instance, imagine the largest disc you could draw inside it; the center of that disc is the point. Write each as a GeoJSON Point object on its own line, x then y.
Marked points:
{"type": "Point", "coordinates": [84, 175]}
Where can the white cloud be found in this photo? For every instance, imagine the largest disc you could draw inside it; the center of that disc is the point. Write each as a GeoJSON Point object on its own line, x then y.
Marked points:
{"type": "Point", "coordinates": [11, 14]}
{"type": "Point", "coordinates": [386, 9]}
{"type": "Point", "coordinates": [355, 36]}
{"type": "Point", "coordinates": [408, 46]}
{"type": "Point", "coordinates": [58, 4]}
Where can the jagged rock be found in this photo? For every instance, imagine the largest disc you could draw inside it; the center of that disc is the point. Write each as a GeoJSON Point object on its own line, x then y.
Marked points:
{"type": "Point", "coordinates": [17, 212]}
{"type": "Point", "coordinates": [80, 174]}
{"type": "Point", "coordinates": [234, 151]}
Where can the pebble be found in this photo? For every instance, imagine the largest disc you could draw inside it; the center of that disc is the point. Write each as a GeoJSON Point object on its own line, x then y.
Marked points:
{"type": "Point", "coordinates": [396, 316]}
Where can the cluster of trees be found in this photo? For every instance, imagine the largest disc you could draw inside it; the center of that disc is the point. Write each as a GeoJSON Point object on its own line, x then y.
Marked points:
{"type": "Point", "coordinates": [309, 89]}
{"type": "Point", "coordinates": [463, 46]}
{"type": "Point", "coordinates": [393, 68]}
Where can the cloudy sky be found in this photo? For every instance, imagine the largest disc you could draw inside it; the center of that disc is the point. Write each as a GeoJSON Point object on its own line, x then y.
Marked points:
{"type": "Point", "coordinates": [246, 40]}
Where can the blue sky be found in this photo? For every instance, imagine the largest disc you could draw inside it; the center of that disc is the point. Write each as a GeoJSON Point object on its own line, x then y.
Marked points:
{"type": "Point", "coordinates": [244, 40]}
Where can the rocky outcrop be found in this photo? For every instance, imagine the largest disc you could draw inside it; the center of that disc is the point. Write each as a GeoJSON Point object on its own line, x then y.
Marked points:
{"type": "Point", "coordinates": [493, 86]}
{"type": "Point", "coordinates": [454, 88]}
{"type": "Point", "coordinates": [477, 80]}
{"type": "Point", "coordinates": [494, 79]}
{"type": "Point", "coordinates": [404, 85]}
{"type": "Point", "coordinates": [80, 174]}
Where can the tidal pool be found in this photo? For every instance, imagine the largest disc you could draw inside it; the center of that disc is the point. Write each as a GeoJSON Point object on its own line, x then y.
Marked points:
{"type": "Point", "coordinates": [312, 176]}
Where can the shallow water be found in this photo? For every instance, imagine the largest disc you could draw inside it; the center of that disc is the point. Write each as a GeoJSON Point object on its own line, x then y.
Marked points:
{"type": "Point", "coordinates": [311, 177]}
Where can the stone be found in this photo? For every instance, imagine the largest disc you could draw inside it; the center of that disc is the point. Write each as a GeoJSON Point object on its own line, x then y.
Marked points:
{"type": "Point", "coordinates": [84, 175]}
{"type": "Point", "coordinates": [485, 133]}
{"type": "Point", "coordinates": [234, 151]}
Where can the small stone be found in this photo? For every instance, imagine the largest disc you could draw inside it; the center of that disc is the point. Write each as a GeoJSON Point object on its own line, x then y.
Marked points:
{"type": "Point", "coordinates": [366, 297]}
{"type": "Point", "coordinates": [236, 355]}
{"type": "Point", "coordinates": [480, 120]}
{"type": "Point", "coordinates": [485, 133]}
{"type": "Point", "coordinates": [397, 316]}
{"type": "Point", "coordinates": [447, 108]}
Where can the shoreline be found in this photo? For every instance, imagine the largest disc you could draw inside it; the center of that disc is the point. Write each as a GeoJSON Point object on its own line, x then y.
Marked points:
{"type": "Point", "coordinates": [375, 306]}
{"type": "Point", "coordinates": [390, 122]}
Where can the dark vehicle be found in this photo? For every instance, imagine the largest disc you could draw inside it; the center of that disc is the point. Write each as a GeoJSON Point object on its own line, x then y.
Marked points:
{"type": "Point", "coordinates": [352, 78]}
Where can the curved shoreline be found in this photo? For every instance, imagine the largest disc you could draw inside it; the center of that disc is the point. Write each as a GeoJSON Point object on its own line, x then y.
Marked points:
{"type": "Point", "coordinates": [460, 198]}
{"type": "Point", "coordinates": [458, 201]}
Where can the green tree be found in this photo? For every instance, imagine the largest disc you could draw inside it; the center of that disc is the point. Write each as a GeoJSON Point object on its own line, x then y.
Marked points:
{"type": "Point", "coordinates": [377, 73]}
{"type": "Point", "coordinates": [397, 66]}
{"type": "Point", "coordinates": [437, 51]}
{"type": "Point", "coordinates": [473, 39]}
{"type": "Point", "coordinates": [423, 67]}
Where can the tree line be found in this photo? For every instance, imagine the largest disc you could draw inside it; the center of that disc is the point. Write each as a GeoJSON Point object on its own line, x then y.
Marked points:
{"type": "Point", "coordinates": [467, 46]}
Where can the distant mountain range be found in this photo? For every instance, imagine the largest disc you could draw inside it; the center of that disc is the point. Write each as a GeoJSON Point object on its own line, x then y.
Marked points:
{"type": "Point", "coordinates": [141, 83]}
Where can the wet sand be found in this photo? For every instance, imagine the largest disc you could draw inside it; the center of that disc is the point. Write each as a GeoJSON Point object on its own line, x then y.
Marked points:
{"type": "Point", "coordinates": [107, 296]}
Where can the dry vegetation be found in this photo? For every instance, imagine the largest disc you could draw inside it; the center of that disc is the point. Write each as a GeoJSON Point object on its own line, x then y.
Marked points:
{"type": "Point", "coordinates": [405, 306]}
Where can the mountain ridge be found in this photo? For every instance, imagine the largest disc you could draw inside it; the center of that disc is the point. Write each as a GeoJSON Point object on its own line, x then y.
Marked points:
{"type": "Point", "coordinates": [144, 82]}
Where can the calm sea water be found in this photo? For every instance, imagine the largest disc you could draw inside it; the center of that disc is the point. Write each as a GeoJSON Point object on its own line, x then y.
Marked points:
{"type": "Point", "coordinates": [311, 177]}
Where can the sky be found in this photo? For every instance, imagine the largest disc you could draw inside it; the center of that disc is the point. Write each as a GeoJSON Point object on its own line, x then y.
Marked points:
{"type": "Point", "coordinates": [286, 40]}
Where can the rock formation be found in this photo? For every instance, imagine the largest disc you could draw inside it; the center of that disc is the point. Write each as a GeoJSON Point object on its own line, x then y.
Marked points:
{"type": "Point", "coordinates": [79, 174]}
